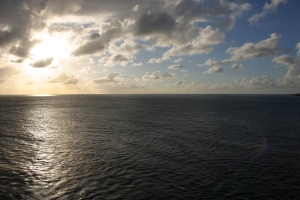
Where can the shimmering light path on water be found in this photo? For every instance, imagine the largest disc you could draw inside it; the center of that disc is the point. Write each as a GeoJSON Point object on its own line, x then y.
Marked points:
{"type": "Point", "coordinates": [150, 146]}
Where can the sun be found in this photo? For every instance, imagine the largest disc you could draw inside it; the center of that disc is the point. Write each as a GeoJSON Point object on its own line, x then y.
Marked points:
{"type": "Point", "coordinates": [50, 47]}
{"type": "Point", "coordinates": [55, 47]}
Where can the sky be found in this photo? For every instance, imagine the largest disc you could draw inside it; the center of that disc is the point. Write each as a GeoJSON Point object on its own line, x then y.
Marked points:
{"type": "Point", "coordinates": [149, 46]}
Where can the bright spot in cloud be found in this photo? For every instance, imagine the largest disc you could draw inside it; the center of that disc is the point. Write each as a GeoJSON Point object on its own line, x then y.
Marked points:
{"type": "Point", "coordinates": [50, 46]}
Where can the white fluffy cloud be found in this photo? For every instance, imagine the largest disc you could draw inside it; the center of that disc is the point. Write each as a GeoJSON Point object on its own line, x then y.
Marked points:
{"type": "Point", "coordinates": [110, 61]}
{"type": "Point", "coordinates": [261, 49]}
{"type": "Point", "coordinates": [236, 66]}
{"type": "Point", "coordinates": [137, 64]}
{"type": "Point", "coordinates": [292, 77]}
{"type": "Point", "coordinates": [214, 69]}
{"type": "Point", "coordinates": [178, 60]}
{"type": "Point", "coordinates": [286, 60]}
{"type": "Point", "coordinates": [200, 45]}
{"type": "Point", "coordinates": [268, 8]}
{"type": "Point", "coordinates": [211, 62]}
{"type": "Point", "coordinates": [63, 78]}
{"type": "Point", "coordinates": [108, 78]}
{"type": "Point", "coordinates": [157, 76]}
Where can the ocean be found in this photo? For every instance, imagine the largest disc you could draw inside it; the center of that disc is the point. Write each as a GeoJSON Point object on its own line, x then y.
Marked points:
{"type": "Point", "coordinates": [150, 147]}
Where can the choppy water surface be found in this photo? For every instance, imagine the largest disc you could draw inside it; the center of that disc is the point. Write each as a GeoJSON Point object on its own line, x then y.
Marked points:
{"type": "Point", "coordinates": [150, 147]}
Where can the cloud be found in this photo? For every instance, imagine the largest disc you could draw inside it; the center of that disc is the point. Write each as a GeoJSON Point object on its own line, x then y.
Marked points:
{"type": "Point", "coordinates": [267, 9]}
{"type": "Point", "coordinates": [178, 60]}
{"type": "Point", "coordinates": [236, 66]}
{"type": "Point", "coordinates": [156, 76]}
{"type": "Point", "coordinates": [63, 78]}
{"type": "Point", "coordinates": [71, 81]}
{"type": "Point", "coordinates": [191, 11]}
{"type": "Point", "coordinates": [158, 60]}
{"type": "Point", "coordinates": [286, 60]}
{"type": "Point", "coordinates": [298, 47]}
{"type": "Point", "coordinates": [211, 62]}
{"type": "Point", "coordinates": [137, 64]}
{"type": "Point", "coordinates": [18, 20]}
{"type": "Point", "coordinates": [180, 82]}
{"type": "Point", "coordinates": [200, 45]}
{"type": "Point", "coordinates": [22, 48]}
{"type": "Point", "coordinates": [88, 48]}
{"type": "Point", "coordinates": [214, 69]}
{"type": "Point", "coordinates": [155, 23]}
{"type": "Point", "coordinates": [110, 61]}
{"type": "Point", "coordinates": [94, 36]}
{"type": "Point", "coordinates": [86, 70]}
{"type": "Point", "coordinates": [58, 29]}
{"type": "Point", "coordinates": [237, 10]}
{"type": "Point", "coordinates": [108, 78]}
{"type": "Point", "coordinates": [168, 75]}
{"type": "Point", "coordinates": [128, 46]}
{"type": "Point", "coordinates": [6, 72]}
{"type": "Point", "coordinates": [175, 67]}
{"type": "Point", "coordinates": [97, 43]}
{"type": "Point", "coordinates": [261, 49]}
{"type": "Point", "coordinates": [42, 63]}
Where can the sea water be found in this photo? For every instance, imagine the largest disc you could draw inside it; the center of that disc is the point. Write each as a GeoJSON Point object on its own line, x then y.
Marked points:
{"type": "Point", "coordinates": [150, 147]}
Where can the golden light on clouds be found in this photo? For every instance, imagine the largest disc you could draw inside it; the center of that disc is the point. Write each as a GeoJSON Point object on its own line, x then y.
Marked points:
{"type": "Point", "coordinates": [154, 46]}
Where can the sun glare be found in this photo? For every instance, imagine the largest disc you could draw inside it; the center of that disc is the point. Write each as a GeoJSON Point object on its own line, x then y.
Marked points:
{"type": "Point", "coordinates": [50, 46]}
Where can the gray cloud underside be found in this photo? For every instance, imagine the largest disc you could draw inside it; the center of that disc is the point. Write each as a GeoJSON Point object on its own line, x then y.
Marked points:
{"type": "Point", "coordinates": [156, 76]}
{"type": "Point", "coordinates": [180, 82]}
{"type": "Point", "coordinates": [42, 63]}
{"type": "Point", "coordinates": [17, 20]}
{"type": "Point", "coordinates": [237, 66]}
{"type": "Point", "coordinates": [175, 67]}
{"type": "Point", "coordinates": [167, 23]}
{"type": "Point", "coordinates": [63, 78]}
{"type": "Point", "coordinates": [214, 69]}
{"type": "Point", "coordinates": [109, 78]}
{"type": "Point", "coordinates": [261, 49]}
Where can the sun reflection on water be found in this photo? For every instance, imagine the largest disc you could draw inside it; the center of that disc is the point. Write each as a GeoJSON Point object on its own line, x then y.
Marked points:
{"type": "Point", "coordinates": [46, 167]}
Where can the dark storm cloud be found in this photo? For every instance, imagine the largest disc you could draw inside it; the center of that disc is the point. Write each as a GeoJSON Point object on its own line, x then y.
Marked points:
{"type": "Point", "coordinates": [16, 20]}
{"type": "Point", "coordinates": [155, 23]}
{"type": "Point", "coordinates": [42, 63]}
{"type": "Point", "coordinates": [88, 48]}
{"type": "Point", "coordinates": [94, 36]}
{"type": "Point", "coordinates": [122, 9]}
{"type": "Point", "coordinates": [111, 30]}
{"type": "Point", "coordinates": [23, 48]}
{"type": "Point", "coordinates": [192, 10]}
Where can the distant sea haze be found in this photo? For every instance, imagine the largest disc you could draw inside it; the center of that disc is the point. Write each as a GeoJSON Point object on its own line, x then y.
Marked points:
{"type": "Point", "coordinates": [150, 147]}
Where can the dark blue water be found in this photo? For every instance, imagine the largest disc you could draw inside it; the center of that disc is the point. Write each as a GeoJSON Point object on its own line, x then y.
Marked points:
{"type": "Point", "coordinates": [150, 147]}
